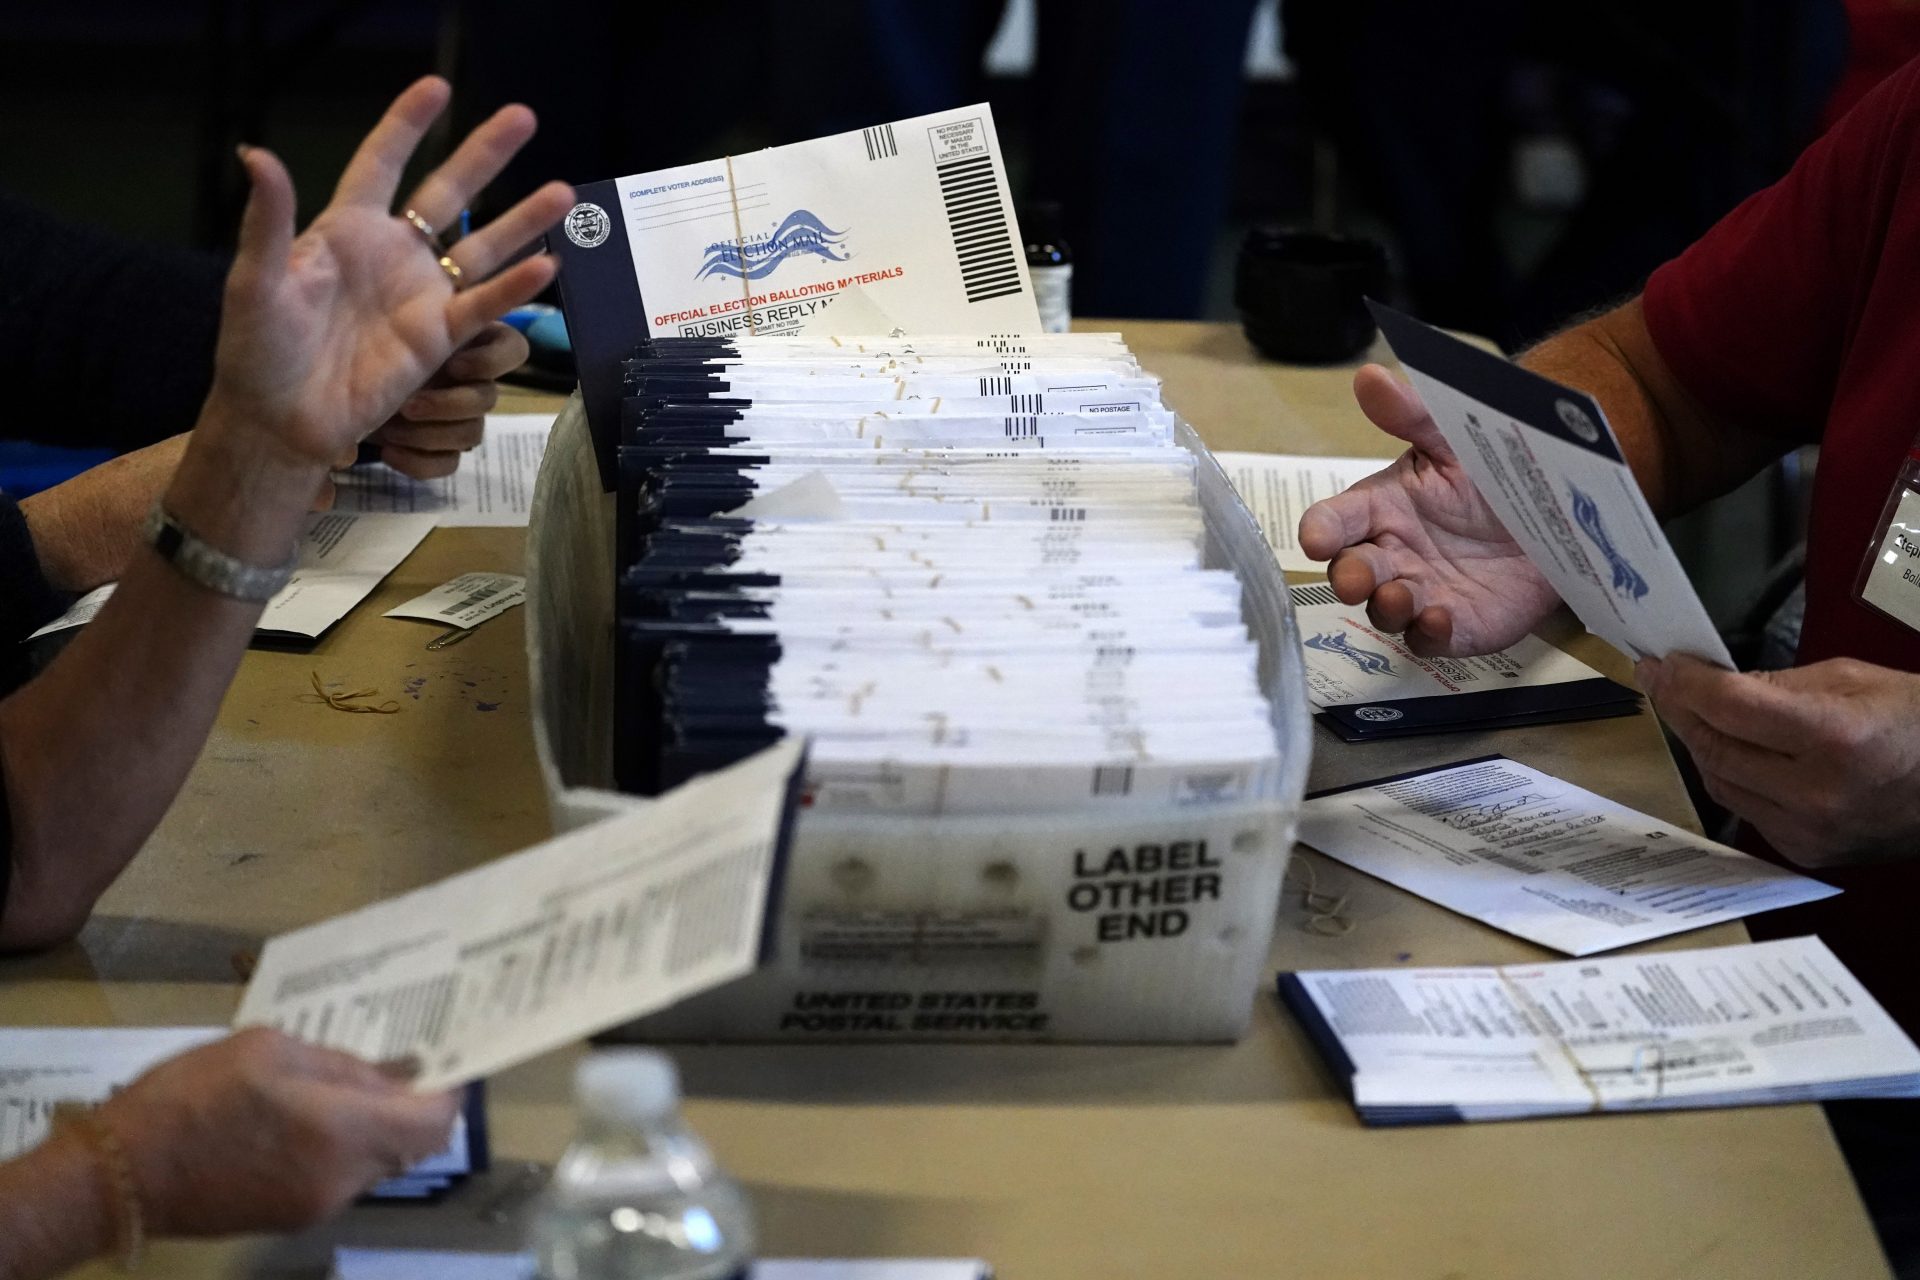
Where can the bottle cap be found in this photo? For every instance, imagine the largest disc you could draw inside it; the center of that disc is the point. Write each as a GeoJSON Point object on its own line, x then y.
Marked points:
{"type": "Point", "coordinates": [627, 1086]}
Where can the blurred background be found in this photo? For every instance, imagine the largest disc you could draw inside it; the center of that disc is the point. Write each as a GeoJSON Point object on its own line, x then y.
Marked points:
{"type": "Point", "coordinates": [1523, 163]}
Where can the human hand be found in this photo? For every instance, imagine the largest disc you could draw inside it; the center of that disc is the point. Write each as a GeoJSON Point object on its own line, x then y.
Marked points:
{"type": "Point", "coordinates": [324, 335]}
{"type": "Point", "coordinates": [1419, 544]}
{"type": "Point", "coordinates": [1820, 759]}
{"type": "Point", "coordinates": [262, 1132]}
{"type": "Point", "coordinates": [447, 417]}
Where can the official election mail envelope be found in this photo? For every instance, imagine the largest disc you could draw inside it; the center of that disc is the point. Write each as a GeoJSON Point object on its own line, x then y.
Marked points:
{"type": "Point", "coordinates": [1549, 466]}
{"type": "Point", "coordinates": [913, 218]}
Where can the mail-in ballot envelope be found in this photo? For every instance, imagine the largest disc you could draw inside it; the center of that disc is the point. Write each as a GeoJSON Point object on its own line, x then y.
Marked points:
{"type": "Point", "coordinates": [911, 222]}
{"type": "Point", "coordinates": [1548, 464]}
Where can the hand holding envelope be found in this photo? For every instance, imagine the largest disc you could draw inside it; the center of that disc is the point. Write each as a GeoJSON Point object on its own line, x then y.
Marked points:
{"type": "Point", "coordinates": [1418, 544]}
{"type": "Point", "coordinates": [1515, 492]}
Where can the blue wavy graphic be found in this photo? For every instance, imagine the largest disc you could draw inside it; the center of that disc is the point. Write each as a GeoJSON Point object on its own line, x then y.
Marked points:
{"type": "Point", "coordinates": [1627, 581]}
{"type": "Point", "coordinates": [801, 233]}
{"type": "Point", "coordinates": [1335, 642]}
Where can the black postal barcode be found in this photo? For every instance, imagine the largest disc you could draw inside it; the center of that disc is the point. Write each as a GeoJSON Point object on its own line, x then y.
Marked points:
{"type": "Point", "coordinates": [880, 143]}
{"type": "Point", "coordinates": [978, 223]}
{"type": "Point", "coordinates": [1021, 428]}
{"type": "Point", "coordinates": [481, 596]}
{"type": "Point", "coordinates": [1112, 779]}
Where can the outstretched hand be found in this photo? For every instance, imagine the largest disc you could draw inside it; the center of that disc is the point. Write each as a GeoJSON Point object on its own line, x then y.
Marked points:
{"type": "Point", "coordinates": [1419, 544]}
{"type": "Point", "coordinates": [325, 334]}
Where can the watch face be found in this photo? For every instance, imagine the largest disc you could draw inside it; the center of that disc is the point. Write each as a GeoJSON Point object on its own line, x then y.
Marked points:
{"type": "Point", "coordinates": [167, 539]}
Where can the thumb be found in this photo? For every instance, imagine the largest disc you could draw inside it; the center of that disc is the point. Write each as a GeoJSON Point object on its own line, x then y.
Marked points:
{"type": "Point", "coordinates": [266, 228]}
{"type": "Point", "coordinates": [1395, 408]}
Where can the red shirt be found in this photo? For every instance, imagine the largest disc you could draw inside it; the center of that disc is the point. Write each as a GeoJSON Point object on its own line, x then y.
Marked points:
{"type": "Point", "coordinates": [1799, 315]}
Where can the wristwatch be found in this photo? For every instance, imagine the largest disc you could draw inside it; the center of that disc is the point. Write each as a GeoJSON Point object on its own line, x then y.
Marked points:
{"type": "Point", "coordinates": [207, 566]}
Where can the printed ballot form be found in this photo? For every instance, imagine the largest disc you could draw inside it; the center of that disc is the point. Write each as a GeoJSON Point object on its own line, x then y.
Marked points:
{"type": "Point", "coordinates": [343, 557]}
{"type": "Point", "coordinates": [41, 1067]}
{"type": "Point", "coordinates": [595, 927]}
{"type": "Point", "coordinates": [493, 486]}
{"type": "Point", "coordinates": [1550, 467]}
{"type": "Point", "coordinates": [1279, 487]}
{"type": "Point", "coordinates": [1541, 858]}
{"type": "Point", "coordinates": [913, 220]}
{"type": "Point", "coordinates": [1766, 1022]}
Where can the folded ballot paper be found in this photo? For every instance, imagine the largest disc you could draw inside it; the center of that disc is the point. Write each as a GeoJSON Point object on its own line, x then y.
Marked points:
{"type": "Point", "coordinates": [544, 947]}
{"type": "Point", "coordinates": [44, 1067]}
{"type": "Point", "coordinates": [910, 223]}
{"type": "Point", "coordinates": [1368, 685]}
{"type": "Point", "coordinates": [1767, 1022]}
{"type": "Point", "coordinates": [969, 570]}
{"type": "Point", "coordinates": [1541, 858]}
{"type": "Point", "coordinates": [1550, 467]}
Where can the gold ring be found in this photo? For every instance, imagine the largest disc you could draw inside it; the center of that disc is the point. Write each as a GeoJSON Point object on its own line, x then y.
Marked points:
{"type": "Point", "coordinates": [426, 230]}
{"type": "Point", "coordinates": [453, 271]}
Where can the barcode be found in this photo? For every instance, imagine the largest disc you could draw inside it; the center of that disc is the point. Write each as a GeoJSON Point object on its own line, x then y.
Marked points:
{"type": "Point", "coordinates": [1030, 403]}
{"type": "Point", "coordinates": [1316, 593]}
{"type": "Point", "coordinates": [479, 597]}
{"type": "Point", "coordinates": [1022, 428]}
{"type": "Point", "coordinates": [978, 224]}
{"type": "Point", "coordinates": [1071, 515]}
{"type": "Point", "coordinates": [1113, 780]}
{"type": "Point", "coordinates": [880, 144]}
{"type": "Point", "coordinates": [996, 386]}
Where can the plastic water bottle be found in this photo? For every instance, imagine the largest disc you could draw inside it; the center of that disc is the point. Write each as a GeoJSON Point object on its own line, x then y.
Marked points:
{"type": "Point", "coordinates": [638, 1196]}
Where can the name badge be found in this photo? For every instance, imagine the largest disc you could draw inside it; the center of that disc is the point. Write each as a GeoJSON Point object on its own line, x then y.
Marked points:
{"type": "Point", "coordinates": [1890, 578]}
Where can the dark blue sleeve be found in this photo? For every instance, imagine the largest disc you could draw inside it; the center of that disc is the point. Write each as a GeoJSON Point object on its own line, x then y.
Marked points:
{"type": "Point", "coordinates": [27, 600]}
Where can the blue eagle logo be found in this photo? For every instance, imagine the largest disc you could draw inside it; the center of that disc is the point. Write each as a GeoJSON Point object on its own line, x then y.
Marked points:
{"type": "Point", "coordinates": [1627, 582]}
{"type": "Point", "coordinates": [801, 233]}
{"type": "Point", "coordinates": [1335, 642]}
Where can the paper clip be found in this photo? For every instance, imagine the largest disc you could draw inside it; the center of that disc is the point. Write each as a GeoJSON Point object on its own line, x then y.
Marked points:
{"type": "Point", "coordinates": [455, 636]}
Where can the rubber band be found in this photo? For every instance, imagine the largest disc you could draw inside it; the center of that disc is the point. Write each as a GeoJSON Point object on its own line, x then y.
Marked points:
{"type": "Point", "coordinates": [344, 701]}
{"type": "Point", "coordinates": [1326, 912]}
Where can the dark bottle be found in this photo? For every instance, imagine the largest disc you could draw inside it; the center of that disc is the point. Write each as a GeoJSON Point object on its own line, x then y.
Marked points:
{"type": "Point", "coordinates": [1049, 264]}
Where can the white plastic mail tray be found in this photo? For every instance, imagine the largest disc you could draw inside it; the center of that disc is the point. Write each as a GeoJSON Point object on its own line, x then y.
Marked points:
{"type": "Point", "coordinates": [954, 928]}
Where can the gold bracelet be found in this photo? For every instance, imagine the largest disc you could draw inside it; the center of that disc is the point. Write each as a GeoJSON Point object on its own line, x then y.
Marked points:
{"type": "Point", "coordinates": [129, 1220]}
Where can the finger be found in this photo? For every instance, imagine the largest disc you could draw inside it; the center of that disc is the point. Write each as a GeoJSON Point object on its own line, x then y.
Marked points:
{"type": "Point", "coordinates": [477, 161]}
{"type": "Point", "coordinates": [498, 351]}
{"type": "Point", "coordinates": [403, 1127]}
{"type": "Point", "coordinates": [460, 403]}
{"type": "Point", "coordinates": [469, 310]}
{"type": "Point", "coordinates": [1788, 832]}
{"type": "Point", "coordinates": [1395, 408]}
{"type": "Point", "coordinates": [401, 1069]}
{"type": "Point", "coordinates": [1753, 706]}
{"type": "Point", "coordinates": [1431, 634]}
{"type": "Point", "coordinates": [419, 464]}
{"type": "Point", "coordinates": [331, 1066]}
{"type": "Point", "coordinates": [1394, 606]}
{"type": "Point", "coordinates": [373, 175]}
{"type": "Point", "coordinates": [1357, 572]}
{"type": "Point", "coordinates": [486, 249]}
{"type": "Point", "coordinates": [433, 437]}
{"type": "Point", "coordinates": [1336, 522]}
{"type": "Point", "coordinates": [266, 227]}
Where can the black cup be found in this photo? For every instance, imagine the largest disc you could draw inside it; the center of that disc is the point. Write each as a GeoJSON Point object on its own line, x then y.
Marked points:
{"type": "Point", "coordinates": [1302, 294]}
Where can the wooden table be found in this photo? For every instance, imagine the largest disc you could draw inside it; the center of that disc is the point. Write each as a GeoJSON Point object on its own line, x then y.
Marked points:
{"type": "Point", "coordinates": [1055, 1163]}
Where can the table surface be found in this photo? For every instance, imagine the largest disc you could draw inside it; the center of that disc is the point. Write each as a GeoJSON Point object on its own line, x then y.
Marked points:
{"type": "Point", "coordinates": [1052, 1162]}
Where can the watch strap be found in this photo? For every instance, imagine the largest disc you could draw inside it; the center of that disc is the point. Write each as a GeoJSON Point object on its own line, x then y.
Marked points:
{"type": "Point", "coordinates": [207, 566]}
